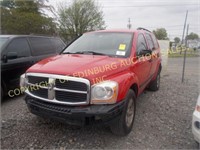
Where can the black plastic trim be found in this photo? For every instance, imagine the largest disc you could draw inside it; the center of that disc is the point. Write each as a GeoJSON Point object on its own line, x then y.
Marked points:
{"type": "Point", "coordinates": [78, 115]}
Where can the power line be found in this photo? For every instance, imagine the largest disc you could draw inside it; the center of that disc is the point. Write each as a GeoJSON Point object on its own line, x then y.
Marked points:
{"type": "Point", "coordinates": [165, 26]}
{"type": "Point", "coordinates": [181, 29]}
{"type": "Point", "coordinates": [180, 5]}
{"type": "Point", "coordinates": [139, 1]}
{"type": "Point", "coordinates": [144, 1]}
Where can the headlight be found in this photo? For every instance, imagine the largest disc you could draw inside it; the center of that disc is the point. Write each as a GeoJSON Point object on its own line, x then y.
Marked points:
{"type": "Point", "coordinates": [23, 81]}
{"type": "Point", "coordinates": [104, 93]}
{"type": "Point", "coordinates": [198, 108]}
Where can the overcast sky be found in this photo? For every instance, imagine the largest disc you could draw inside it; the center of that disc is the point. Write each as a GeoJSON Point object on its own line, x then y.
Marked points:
{"type": "Point", "coordinates": [150, 14]}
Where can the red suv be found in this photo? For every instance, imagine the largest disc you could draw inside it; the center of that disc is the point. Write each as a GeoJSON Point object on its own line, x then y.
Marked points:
{"type": "Point", "coordinates": [95, 79]}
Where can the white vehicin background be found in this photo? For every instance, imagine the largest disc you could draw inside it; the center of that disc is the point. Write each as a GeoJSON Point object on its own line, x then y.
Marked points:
{"type": "Point", "coordinates": [196, 121]}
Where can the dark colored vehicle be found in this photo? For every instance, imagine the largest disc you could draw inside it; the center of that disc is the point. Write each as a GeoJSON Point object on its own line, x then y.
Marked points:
{"type": "Point", "coordinates": [97, 78]}
{"type": "Point", "coordinates": [19, 52]}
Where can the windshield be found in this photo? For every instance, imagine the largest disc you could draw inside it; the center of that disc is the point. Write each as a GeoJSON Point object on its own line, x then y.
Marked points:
{"type": "Point", "coordinates": [2, 41]}
{"type": "Point", "coordinates": [113, 44]}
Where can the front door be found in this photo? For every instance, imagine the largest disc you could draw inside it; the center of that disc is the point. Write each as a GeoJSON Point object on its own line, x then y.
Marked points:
{"type": "Point", "coordinates": [142, 65]}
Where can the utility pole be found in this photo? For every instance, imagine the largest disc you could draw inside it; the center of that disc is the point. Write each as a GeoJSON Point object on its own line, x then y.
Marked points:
{"type": "Point", "coordinates": [184, 29]}
{"type": "Point", "coordinates": [129, 23]}
{"type": "Point", "coordinates": [183, 73]}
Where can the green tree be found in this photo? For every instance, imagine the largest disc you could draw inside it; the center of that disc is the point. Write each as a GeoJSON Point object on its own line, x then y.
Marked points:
{"type": "Point", "coordinates": [25, 17]}
{"type": "Point", "coordinates": [79, 17]}
{"type": "Point", "coordinates": [160, 33]}
{"type": "Point", "coordinates": [192, 36]}
{"type": "Point", "coordinates": [7, 3]}
{"type": "Point", "coordinates": [177, 39]}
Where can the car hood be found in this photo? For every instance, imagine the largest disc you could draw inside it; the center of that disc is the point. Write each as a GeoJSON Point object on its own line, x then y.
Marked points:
{"type": "Point", "coordinates": [85, 66]}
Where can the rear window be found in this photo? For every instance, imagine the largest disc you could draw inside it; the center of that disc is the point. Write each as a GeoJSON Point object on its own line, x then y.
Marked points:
{"type": "Point", "coordinates": [150, 41]}
{"type": "Point", "coordinates": [3, 40]}
{"type": "Point", "coordinates": [41, 46]}
{"type": "Point", "coordinates": [155, 41]}
{"type": "Point", "coordinates": [20, 46]}
{"type": "Point", "coordinates": [58, 44]}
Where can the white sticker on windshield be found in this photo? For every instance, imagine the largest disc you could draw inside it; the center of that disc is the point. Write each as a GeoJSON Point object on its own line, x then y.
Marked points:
{"type": "Point", "coordinates": [121, 53]}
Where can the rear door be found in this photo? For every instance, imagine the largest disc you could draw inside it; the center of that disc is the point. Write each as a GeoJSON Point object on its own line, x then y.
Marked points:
{"type": "Point", "coordinates": [153, 46]}
{"type": "Point", "coordinates": [143, 66]}
{"type": "Point", "coordinates": [13, 68]}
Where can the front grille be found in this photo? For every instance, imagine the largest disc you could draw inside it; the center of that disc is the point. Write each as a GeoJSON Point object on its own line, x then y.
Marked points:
{"type": "Point", "coordinates": [35, 89]}
{"type": "Point", "coordinates": [65, 84]}
{"type": "Point", "coordinates": [37, 80]}
{"type": "Point", "coordinates": [43, 93]}
{"type": "Point", "coordinates": [54, 89]}
{"type": "Point", "coordinates": [70, 97]}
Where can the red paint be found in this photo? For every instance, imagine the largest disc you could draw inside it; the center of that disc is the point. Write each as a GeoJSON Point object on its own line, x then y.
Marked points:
{"type": "Point", "coordinates": [134, 73]}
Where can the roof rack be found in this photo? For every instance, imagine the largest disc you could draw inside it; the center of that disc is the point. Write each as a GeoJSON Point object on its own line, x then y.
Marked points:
{"type": "Point", "coordinates": [140, 28]}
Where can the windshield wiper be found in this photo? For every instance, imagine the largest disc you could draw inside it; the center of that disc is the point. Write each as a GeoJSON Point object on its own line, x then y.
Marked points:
{"type": "Point", "coordinates": [68, 53]}
{"type": "Point", "coordinates": [89, 52]}
{"type": "Point", "coordinates": [85, 52]}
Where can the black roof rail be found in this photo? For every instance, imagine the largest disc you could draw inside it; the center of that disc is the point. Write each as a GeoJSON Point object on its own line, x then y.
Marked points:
{"type": "Point", "coordinates": [140, 28]}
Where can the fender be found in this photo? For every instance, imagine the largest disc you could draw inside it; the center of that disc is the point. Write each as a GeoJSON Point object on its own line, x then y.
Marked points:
{"type": "Point", "coordinates": [158, 68]}
{"type": "Point", "coordinates": [125, 81]}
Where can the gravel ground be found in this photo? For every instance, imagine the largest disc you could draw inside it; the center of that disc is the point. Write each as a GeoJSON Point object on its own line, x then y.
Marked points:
{"type": "Point", "coordinates": [163, 120]}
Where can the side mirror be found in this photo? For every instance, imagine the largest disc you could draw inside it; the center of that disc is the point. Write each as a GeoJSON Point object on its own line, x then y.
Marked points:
{"type": "Point", "coordinates": [145, 52]}
{"type": "Point", "coordinates": [4, 58]}
{"type": "Point", "coordinates": [11, 55]}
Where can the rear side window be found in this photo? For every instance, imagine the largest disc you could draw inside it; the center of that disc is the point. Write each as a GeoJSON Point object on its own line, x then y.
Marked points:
{"type": "Point", "coordinates": [41, 46]}
{"type": "Point", "coordinates": [58, 44]}
{"type": "Point", "coordinates": [141, 44]}
{"type": "Point", "coordinates": [19, 45]}
{"type": "Point", "coordinates": [150, 41]}
{"type": "Point", "coordinates": [155, 41]}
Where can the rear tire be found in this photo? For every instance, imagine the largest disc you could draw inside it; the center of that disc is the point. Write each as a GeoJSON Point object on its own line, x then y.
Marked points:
{"type": "Point", "coordinates": [123, 126]}
{"type": "Point", "coordinates": [155, 85]}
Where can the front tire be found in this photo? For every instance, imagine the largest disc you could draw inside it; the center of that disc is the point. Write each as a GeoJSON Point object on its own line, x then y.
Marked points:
{"type": "Point", "coordinates": [123, 126]}
{"type": "Point", "coordinates": [198, 145]}
{"type": "Point", "coordinates": [2, 93]}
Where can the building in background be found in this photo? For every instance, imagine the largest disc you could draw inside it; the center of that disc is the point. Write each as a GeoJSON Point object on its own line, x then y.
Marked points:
{"type": "Point", "coordinates": [164, 46]}
{"type": "Point", "coordinates": [195, 44]}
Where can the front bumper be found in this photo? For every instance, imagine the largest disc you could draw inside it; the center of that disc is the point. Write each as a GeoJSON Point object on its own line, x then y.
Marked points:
{"type": "Point", "coordinates": [76, 115]}
{"type": "Point", "coordinates": [195, 128]}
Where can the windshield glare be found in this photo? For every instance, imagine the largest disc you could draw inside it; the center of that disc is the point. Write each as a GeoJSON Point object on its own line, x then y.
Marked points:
{"type": "Point", "coordinates": [113, 44]}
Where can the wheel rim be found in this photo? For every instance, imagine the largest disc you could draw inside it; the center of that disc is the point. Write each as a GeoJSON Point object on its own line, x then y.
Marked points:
{"type": "Point", "coordinates": [158, 81]}
{"type": "Point", "coordinates": [130, 113]}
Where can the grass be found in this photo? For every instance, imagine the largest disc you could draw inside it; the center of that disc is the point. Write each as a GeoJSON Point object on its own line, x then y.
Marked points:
{"type": "Point", "coordinates": [189, 53]}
